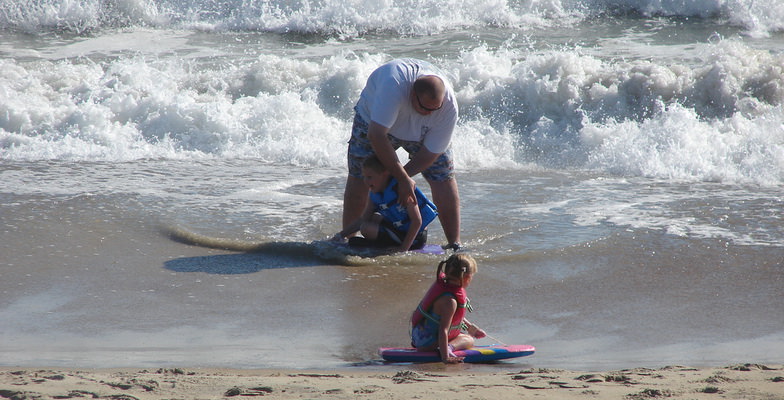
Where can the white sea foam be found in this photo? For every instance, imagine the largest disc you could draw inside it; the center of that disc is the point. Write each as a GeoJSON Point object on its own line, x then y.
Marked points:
{"type": "Point", "coordinates": [134, 108]}
{"type": "Point", "coordinates": [349, 18]}
{"type": "Point", "coordinates": [719, 121]}
{"type": "Point", "coordinates": [722, 121]}
{"type": "Point", "coordinates": [678, 145]}
{"type": "Point", "coordinates": [79, 16]}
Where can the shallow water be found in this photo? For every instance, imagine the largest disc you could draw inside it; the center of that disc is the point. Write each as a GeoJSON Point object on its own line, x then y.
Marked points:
{"type": "Point", "coordinates": [650, 275]}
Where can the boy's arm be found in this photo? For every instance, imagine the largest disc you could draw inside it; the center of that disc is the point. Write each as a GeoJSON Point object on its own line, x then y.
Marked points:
{"type": "Point", "coordinates": [420, 161]}
{"type": "Point", "coordinates": [354, 226]}
{"type": "Point", "coordinates": [377, 134]}
{"type": "Point", "coordinates": [413, 229]}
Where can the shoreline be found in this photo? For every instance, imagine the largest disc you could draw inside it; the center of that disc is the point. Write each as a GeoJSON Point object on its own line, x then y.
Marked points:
{"type": "Point", "coordinates": [401, 381]}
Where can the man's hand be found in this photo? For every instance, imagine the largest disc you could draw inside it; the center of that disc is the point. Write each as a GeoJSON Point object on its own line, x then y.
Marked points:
{"type": "Point", "coordinates": [405, 192]}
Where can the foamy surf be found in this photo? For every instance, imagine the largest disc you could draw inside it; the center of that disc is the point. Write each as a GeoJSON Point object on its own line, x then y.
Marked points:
{"type": "Point", "coordinates": [350, 19]}
{"type": "Point", "coordinates": [721, 121]}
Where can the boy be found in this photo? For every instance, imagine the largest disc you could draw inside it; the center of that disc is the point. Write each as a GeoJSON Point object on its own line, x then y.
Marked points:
{"type": "Point", "coordinates": [384, 222]}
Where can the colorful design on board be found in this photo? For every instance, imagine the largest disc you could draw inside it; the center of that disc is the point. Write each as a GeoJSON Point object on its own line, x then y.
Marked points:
{"type": "Point", "coordinates": [476, 354]}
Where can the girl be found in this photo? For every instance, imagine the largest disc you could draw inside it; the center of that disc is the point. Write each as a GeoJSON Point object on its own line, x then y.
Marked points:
{"type": "Point", "coordinates": [439, 318]}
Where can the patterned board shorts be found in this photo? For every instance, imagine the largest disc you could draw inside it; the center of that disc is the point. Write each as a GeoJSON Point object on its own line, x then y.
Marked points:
{"type": "Point", "coordinates": [359, 149]}
{"type": "Point", "coordinates": [424, 334]}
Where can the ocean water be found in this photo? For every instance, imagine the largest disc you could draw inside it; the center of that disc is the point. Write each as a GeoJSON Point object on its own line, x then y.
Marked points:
{"type": "Point", "coordinates": [165, 167]}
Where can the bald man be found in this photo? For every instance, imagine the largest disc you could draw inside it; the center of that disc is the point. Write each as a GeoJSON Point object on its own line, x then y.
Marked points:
{"type": "Point", "coordinates": [406, 103]}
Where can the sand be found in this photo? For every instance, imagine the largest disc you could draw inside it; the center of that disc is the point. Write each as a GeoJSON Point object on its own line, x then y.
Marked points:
{"type": "Point", "coordinates": [744, 381]}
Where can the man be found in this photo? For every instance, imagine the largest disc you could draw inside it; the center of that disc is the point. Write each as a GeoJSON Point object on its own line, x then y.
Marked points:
{"type": "Point", "coordinates": [406, 103]}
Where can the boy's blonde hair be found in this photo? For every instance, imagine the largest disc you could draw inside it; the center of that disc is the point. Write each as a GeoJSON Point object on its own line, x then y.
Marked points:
{"type": "Point", "coordinates": [373, 163]}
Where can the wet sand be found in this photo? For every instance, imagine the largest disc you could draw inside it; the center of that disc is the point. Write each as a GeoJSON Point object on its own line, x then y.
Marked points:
{"type": "Point", "coordinates": [741, 381]}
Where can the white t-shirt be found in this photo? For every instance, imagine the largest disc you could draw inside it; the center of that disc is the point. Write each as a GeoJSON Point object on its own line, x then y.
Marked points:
{"type": "Point", "coordinates": [386, 100]}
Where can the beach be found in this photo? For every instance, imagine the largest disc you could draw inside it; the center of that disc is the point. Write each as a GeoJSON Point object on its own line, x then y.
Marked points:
{"type": "Point", "coordinates": [170, 170]}
{"type": "Point", "coordinates": [742, 381]}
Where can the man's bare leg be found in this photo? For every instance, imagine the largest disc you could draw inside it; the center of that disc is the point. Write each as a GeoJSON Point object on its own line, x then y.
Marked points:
{"type": "Point", "coordinates": [355, 198]}
{"type": "Point", "coordinates": [447, 199]}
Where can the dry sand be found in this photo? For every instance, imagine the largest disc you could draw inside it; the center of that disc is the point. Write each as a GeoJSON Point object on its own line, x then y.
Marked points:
{"type": "Point", "coordinates": [746, 381]}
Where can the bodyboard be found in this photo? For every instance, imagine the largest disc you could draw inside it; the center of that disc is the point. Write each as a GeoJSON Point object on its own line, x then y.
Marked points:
{"type": "Point", "coordinates": [477, 354]}
{"type": "Point", "coordinates": [363, 251]}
